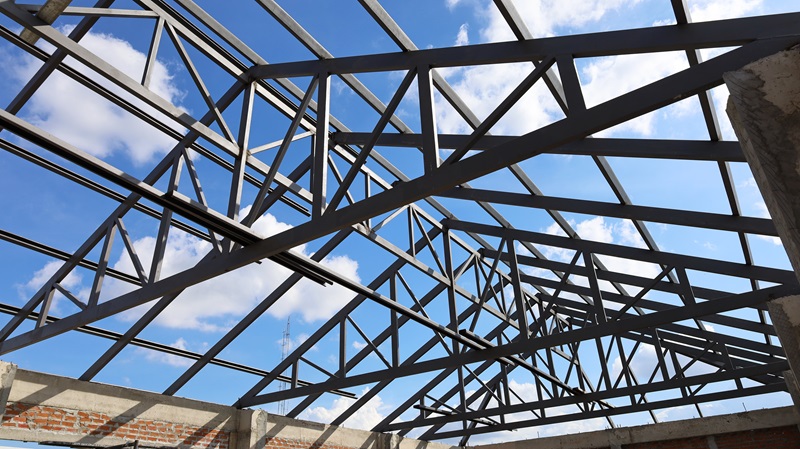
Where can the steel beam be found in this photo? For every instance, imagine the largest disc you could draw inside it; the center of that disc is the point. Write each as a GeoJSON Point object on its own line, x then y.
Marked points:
{"type": "Point", "coordinates": [724, 33]}
{"type": "Point", "coordinates": [693, 150]}
{"type": "Point", "coordinates": [552, 340]}
{"type": "Point", "coordinates": [659, 215]}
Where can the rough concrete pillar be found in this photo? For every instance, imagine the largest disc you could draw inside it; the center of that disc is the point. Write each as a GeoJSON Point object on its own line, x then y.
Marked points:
{"type": "Point", "coordinates": [794, 388]}
{"type": "Point", "coordinates": [764, 108]}
{"type": "Point", "coordinates": [785, 315]}
{"type": "Point", "coordinates": [7, 373]}
{"type": "Point", "coordinates": [251, 431]}
{"type": "Point", "coordinates": [48, 13]}
{"type": "Point", "coordinates": [387, 441]}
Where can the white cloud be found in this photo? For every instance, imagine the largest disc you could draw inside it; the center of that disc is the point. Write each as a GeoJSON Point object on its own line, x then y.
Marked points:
{"type": "Point", "coordinates": [758, 207]}
{"type": "Point", "coordinates": [463, 35]}
{"type": "Point", "coordinates": [595, 229]}
{"type": "Point", "coordinates": [483, 88]}
{"type": "Point", "coordinates": [685, 412]}
{"type": "Point", "coordinates": [545, 17]}
{"type": "Point", "coordinates": [720, 96]}
{"type": "Point", "coordinates": [214, 305]}
{"type": "Point", "coordinates": [339, 87]}
{"type": "Point", "coordinates": [762, 211]}
{"type": "Point", "coordinates": [774, 240]}
{"type": "Point", "coordinates": [628, 234]}
{"type": "Point", "coordinates": [367, 417]}
{"type": "Point", "coordinates": [359, 345]}
{"type": "Point", "coordinates": [171, 359]}
{"type": "Point", "coordinates": [664, 22]}
{"type": "Point", "coordinates": [71, 282]}
{"type": "Point", "coordinates": [749, 183]}
{"type": "Point", "coordinates": [606, 78]}
{"type": "Point", "coordinates": [641, 364]}
{"type": "Point", "coordinates": [235, 293]}
{"type": "Point", "coordinates": [77, 115]}
{"type": "Point", "coordinates": [705, 10]}
{"type": "Point", "coordinates": [620, 232]}
{"type": "Point", "coordinates": [527, 391]}
{"type": "Point", "coordinates": [598, 229]}
{"type": "Point", "coordinates": [576, 425]}
{"type": "Point", "coordinates": [602, 78]}
{"type": "Point", "coordinates": [47, 271]}
{"type": "Point", "coordinates": [451, 4]}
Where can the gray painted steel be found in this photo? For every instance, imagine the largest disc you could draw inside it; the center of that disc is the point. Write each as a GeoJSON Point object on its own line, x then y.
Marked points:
{"type": "Point", "coordinates": [508, 308]}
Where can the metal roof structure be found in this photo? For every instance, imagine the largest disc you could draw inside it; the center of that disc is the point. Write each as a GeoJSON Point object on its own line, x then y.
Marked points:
{"type": "Point", "coordinates": [468, 292]}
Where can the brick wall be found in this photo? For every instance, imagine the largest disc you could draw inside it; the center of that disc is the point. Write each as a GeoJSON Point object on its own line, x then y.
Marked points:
{"type": "Point", "coordinates": [59, 421]}
{"type": "Point", "coordinates": [776, 428]}
{"type": "Point", "coordinates": [43, 407]}
{"type": "Point", "coordinates": [776, 438]}
{"type": "Point", "coordinates": [787, 437]}
{"type": "Point", "coordinates": [683, 443]}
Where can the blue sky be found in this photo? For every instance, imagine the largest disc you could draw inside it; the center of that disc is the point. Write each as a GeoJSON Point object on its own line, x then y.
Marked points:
{"type": "Point", "coordinates": [51, 210]}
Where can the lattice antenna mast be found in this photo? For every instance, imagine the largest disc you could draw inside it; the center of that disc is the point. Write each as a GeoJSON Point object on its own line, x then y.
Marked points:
{"type": "Point", "coordinates": [285, 347]}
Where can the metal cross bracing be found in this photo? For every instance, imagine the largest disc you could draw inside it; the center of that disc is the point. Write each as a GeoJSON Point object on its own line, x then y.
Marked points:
{"type": "Point", "coordinates": [469, 303]}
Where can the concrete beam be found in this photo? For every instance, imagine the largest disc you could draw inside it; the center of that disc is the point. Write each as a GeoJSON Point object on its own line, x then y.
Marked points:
{"type": "Point", "coordinates": [764, 108]}
{"type": "Point", "coordinates": [283, 432]}
{"type": "Point", "coordinates": [708, 430]}
{"type": "Point", "coordinates": [44, 407]}
{"type": "Point", "coordinates": [49, 12]}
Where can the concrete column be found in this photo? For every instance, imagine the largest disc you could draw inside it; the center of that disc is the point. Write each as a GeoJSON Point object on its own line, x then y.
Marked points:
{"type": "Point", "coordinates": [764, 108]}
{"type": "Point", "coordinates": [7, 373]}
{"type": "Point", "coordinates": [785, 315]}
{"type": "Point", "coordinates": [251, 430]}
{"type": "Point", "coordinates": [794, 388]}
{"type": "Point", "coordinates": [49, 13]}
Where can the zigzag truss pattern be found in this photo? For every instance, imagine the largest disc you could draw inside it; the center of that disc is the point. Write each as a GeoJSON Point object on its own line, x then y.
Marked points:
{"type": "Point", "coordinates": [468, 300]}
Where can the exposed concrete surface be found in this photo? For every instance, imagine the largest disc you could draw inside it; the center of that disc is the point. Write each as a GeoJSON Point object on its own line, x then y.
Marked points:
{"type": "Point", "coordinates": [48, 13]}
{"type": "Point", "coordinates": [794, 388]}
{"type": "Point", "coordinates": [316, 434]}
{"type": "Point", "coordinates": [116, 406]}
{"type": "Point", "coordinates": [251, 430]}
{"type": "Point", "coordinates": [785, 316]}
{"type": "Point", "coordinates": [8, 372]}
{"type": "Point", "coordinates": [764, 108]}
{"type": "Point", "coordinates": [256, 429]}
{"type": "Point", "coordinates": [31, 387]}
{"type": "Point", "coordinates": [692, 428]}
{"type": "Point", "coordinates": [248, 429]}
